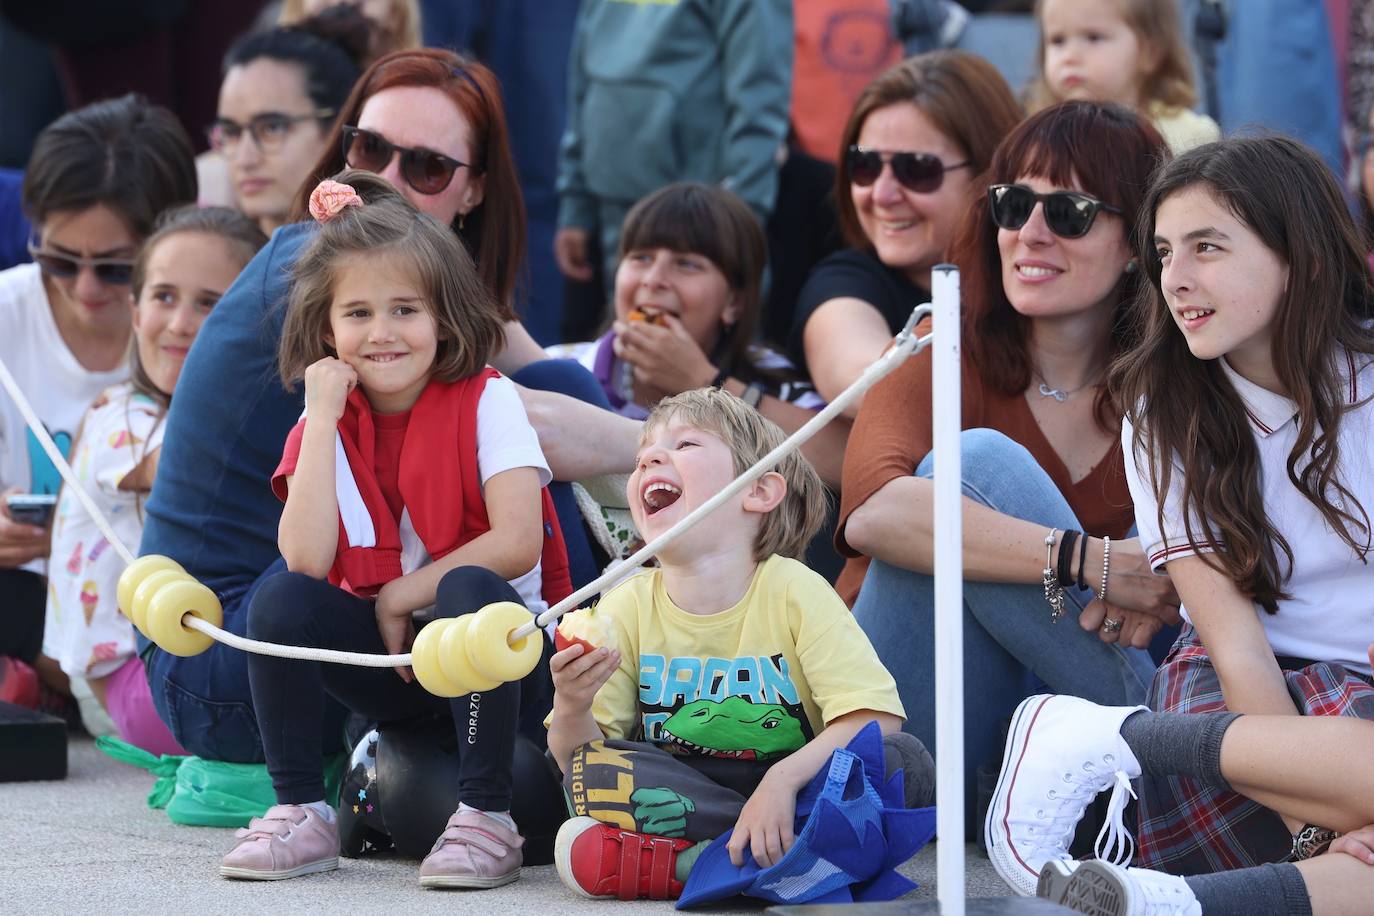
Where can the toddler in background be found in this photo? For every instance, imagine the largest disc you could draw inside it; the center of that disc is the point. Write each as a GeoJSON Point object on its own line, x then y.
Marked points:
{"type": "Point", "coordinates": [1130, 52]}
{"type": "Point", "coordinates": [719, 683]}
{"type": "Point", "coordinates": [184, 267]}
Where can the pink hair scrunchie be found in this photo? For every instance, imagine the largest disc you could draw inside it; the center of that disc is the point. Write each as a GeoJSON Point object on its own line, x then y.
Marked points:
{"type": "Point", "coordinates": [330, 198]}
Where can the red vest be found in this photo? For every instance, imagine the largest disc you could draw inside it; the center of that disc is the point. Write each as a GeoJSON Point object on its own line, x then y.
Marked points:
{"type": "Point", "coordinates": [440, 485]}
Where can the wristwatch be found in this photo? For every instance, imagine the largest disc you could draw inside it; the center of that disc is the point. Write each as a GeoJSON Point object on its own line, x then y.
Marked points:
{"type": "Point", "coordinates": [1311, 841]}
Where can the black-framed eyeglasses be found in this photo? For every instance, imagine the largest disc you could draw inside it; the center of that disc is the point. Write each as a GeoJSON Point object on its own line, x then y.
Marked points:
{"type": "Point", "coordinates": [424, 170]}
{"type": "Point", "coordinates": [60, 266]}
{"type": "Point", "coordinates": [1069, 214]}
{"type": "Point", "coordinates": [268, 130]}
{"type": "Point", "coordinates": [919, 172]}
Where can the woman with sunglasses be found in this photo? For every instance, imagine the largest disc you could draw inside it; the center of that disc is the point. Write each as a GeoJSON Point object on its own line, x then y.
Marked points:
{"type": "Point", "coordinates": [917, 138]}
{"type": "Point", "coordinates": [430, 122]}
{"type": "Point", "coordinates": [65, 322]}
{"type": "Point", "coordinates": [1047, 272]}
{"type": "Point", "coordinates": [281, 90]}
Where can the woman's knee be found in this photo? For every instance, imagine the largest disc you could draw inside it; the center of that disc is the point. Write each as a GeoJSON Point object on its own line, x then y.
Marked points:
{"type": "Point", "coordinates": [1000, 472]}
{"type": "Point", "coordinates": [984, 451]}
{"type": "Point", "coordinates": [564, 376]}
{"type": "Point", "coordinates": [470, 588]}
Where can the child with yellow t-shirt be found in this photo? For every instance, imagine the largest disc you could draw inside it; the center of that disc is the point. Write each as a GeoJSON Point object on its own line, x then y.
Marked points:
{"type": "Point", "coordinates": [719, 683]}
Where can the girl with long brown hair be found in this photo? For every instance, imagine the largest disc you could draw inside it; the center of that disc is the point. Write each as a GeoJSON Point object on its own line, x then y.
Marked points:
{"type": "Point", "coordinates": [1248, 419]}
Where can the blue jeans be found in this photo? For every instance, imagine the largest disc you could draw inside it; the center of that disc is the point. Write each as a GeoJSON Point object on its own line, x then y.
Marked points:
{"type": "Point", "coordinates": [1008, 636]}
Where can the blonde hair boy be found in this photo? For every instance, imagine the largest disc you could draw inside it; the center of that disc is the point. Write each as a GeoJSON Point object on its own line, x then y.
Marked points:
{"type": "Point", "coordinates": [787, 529]}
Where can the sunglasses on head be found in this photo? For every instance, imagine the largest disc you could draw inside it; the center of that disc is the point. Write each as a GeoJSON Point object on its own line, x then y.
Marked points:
{"type": "Point", "coordinates": [109, 271]}
{"type": "Point", "coordinates": [1069, 214]}
{"type": "Point", "coordinates": [425, 171]}
{"type": "Point", "coordinates": [919, 172]}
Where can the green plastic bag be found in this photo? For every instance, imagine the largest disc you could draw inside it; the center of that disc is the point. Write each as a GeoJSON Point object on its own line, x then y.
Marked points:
{"type": "Point", "coordinates": [211, 793]}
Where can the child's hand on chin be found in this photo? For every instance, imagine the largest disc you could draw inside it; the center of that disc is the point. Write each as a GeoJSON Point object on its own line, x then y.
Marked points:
{"type": "Point", "coordinates": [395, 626]}
{"type": "Point", "coordinates": [327, 384]}
{"type": "Point", "coordinates": [765, 824]}
{"type": "Point", "coordinates": [579, 674]}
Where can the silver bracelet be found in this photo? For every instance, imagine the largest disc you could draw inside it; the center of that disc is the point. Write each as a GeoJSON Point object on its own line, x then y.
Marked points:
{"type": "Point", "coordinates": [1054, 592]}
{"type": "Point", "coordinates": [1106, 566]}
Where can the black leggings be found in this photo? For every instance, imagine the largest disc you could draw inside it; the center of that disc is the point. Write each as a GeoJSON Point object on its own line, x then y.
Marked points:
{"type": "Point", "coordinates": [289, 695]}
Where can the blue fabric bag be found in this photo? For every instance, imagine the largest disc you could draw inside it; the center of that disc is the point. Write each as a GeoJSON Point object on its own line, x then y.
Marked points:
{"type": "Point", "coordinates": [852, 832]}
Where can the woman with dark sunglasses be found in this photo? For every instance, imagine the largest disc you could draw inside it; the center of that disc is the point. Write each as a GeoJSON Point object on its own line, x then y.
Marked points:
{"type": "Point", "coordinates": [1046, 271]}
{"type": "Point", "coordinates": [431, 123]}
{"type": "Point", "coordinates": [917, 139]}
{"type": "Point", "coordinates": [65, 323]}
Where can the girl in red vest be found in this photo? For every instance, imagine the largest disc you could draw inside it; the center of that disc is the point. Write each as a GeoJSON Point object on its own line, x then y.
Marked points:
{"type": "Point", "coordinates": [414, 491]}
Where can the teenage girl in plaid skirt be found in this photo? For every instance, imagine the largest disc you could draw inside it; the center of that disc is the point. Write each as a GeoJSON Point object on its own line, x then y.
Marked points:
{"type": "Point", "coordinates": [1251, 415]}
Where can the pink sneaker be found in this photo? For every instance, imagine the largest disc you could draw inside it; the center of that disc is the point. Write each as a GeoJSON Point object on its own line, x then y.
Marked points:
{"type": "Point", "coordinates": [286, 842]}
{"type": "Point", "coordinates": [475, 851]}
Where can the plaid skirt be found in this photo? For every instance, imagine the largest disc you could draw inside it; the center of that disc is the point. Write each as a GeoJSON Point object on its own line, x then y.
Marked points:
{"type": "Point", "coordinates": [1187, 828]}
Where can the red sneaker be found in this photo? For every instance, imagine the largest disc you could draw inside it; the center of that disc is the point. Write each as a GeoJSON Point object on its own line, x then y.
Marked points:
{"type": "Point", "coordinates": [598, 860]}
{"type": "Point", "coordinates": [19, 683]}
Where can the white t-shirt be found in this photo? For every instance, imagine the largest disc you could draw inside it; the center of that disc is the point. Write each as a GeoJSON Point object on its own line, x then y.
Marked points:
{"type": "Point", "coordinates": [59, 388]}
{"type": "Point", "coordinates": [506, 440]}
{"type": "Point", "coordinates": [1328, 617]}
{"type": "Point", "coordinates": [84, 630]}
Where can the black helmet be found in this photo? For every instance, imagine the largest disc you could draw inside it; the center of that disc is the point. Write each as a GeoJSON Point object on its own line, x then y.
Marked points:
{"type": "Point", "coordinates": [402, 784]}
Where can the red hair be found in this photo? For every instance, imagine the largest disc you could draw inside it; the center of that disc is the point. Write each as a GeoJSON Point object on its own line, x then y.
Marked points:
{"type": "Point", "coordinates": [494, 232]}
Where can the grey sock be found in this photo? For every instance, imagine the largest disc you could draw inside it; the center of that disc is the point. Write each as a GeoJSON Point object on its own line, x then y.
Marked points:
{"type": "Point", "coordinates": [1260, 891]}
{"type": "Point", "coordinates": [1179, 744]}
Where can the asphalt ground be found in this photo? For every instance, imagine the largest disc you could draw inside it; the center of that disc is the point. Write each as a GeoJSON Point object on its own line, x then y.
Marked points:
{"type": "Point", "coordinates": [90, 844]}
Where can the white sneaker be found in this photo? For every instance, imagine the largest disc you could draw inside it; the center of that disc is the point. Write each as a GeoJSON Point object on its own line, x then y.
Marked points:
{"type": "Point", "coordinates": [1100, 888]}
{"type": "Point", "coordinates": [1061, 752]}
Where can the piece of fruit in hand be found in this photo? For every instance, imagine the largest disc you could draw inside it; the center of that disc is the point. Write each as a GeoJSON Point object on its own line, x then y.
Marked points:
{"type": "Point", "coordinates": [584, 627]}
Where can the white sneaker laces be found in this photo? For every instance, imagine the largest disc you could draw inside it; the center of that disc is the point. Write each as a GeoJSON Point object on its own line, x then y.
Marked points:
{"type": "Point", "coordinates": [1052, 841]}
{"type": "Point", "coordinates": [1114, 842]}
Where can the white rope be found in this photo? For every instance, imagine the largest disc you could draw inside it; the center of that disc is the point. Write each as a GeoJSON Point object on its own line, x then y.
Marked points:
{"type": "Point", "coordinates": [905, 345]}
{"type": "Point", "coordinates": [302, 653]}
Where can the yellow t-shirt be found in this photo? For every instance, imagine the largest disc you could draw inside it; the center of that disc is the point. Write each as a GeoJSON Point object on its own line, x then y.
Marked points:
{"type": "Point", "coordinates": [756, 681]}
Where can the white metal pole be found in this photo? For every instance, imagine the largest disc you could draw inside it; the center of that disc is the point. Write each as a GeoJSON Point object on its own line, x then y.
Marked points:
{"type": "Point", "coordinates": [949, 594]}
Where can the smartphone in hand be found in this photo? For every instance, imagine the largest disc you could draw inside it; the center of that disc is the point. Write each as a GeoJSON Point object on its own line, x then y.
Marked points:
{"type": "Point", "coordinates": [31, 508]}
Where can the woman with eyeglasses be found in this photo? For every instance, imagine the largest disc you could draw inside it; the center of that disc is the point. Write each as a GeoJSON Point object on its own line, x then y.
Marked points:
{"type": "Point", "coordinates": [1047, 272]}
{"type": "Point", "coordinates": [95, 183]}
{"type": "Point", "coordinates": [431, 123]}
{"type": "Point", "coordinates": [281, 91]}
{"type": "Point", "coordinates": [917, 139]}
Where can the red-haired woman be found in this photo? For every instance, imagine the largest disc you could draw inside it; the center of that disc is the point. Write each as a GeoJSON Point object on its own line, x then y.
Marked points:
{"type": "Point", "coordinates": [431, 122]}
{"type": "Point", "coordinates": [1047, 270]}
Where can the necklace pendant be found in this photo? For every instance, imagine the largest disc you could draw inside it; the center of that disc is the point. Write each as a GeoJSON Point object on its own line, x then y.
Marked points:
{"type": "Point", "coordinates": [1047, 392]}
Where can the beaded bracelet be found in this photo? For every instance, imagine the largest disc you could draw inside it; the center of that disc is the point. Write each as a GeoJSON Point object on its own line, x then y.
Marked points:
{"type": "Point", "coordinates": [1106, 565]}
{"type": "Point", "coordinates": [1054, 594]}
